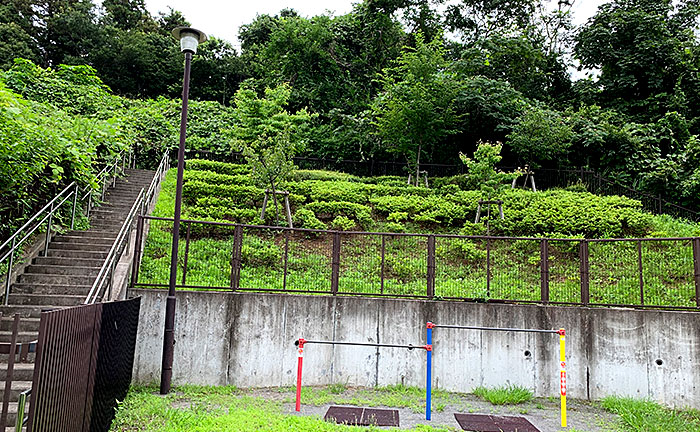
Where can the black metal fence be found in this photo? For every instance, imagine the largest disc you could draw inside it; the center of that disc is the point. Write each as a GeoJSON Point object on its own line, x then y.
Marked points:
{"type": "Point", "coordinates": [84, 360]}
{"type": "Point", "coordinates": [650, 272]}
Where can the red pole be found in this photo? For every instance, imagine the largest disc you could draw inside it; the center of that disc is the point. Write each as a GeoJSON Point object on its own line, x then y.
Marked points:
{"type": "Point", "coordinates": [300, 362]}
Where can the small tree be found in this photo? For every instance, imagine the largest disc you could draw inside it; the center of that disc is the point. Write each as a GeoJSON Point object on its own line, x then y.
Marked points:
{"type": "Point", "coordinates": [482, 171]}
{"type": "Point", "coordinates": [268, 136]}
{"type": "Point", "coordinates": [416, 109]}
{"type": "Point", "coordinates": [540, 135]}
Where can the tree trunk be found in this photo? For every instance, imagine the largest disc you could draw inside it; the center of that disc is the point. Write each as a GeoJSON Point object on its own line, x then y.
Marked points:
{"type": "Point", "coordinates": [418, 164]}
{"type": "Point", "coordinates": [274, 199]}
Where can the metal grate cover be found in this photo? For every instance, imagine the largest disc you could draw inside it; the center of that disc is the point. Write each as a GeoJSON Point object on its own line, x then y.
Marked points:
{"type": "Point", "coordinates": [492, 423]}
{"type": "Point", "coordinates": [362, 416]}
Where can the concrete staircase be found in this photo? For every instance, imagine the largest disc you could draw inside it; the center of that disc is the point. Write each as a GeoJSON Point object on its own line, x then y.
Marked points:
{"type": "Point", "coordinates": [65, 275]}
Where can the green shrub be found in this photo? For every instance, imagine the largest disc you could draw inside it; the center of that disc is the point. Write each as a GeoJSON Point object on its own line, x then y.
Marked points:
{"type": "Point", "coordinates": [506, 395]}
{"type": "Point", "coordinates": [361, 213]}
{"type": "Point", "coordinates": [397, 216]}
{"type": "Point", "coordinates": [394, 227]}
{"type": "Point", "coordinates": [342, 223]}
{"type": "Point", "coordinates": [459, 250]}
{"type": "Point", "coordinates": [212, 177]}
{"type": "Point", "coordinates": [303, 175]}
{"type": "Point", "coordinates": [224, 214]}
{"type": "Point", "coordinates": [304, 218]}
{"type": "Point", "coordinates": [257, 252]}
{"type": "Point", "coordinates": [217, 167]}
{"type": "Point", "coordinates": [245, 195]}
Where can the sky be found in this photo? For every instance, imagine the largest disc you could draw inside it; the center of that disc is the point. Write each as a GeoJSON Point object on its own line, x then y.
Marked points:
{"type": "Point", "coordinates": [222, 18]}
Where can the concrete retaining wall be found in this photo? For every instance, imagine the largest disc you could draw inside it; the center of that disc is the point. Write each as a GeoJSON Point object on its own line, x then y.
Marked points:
{"type": "Point", "coordinates": [247, 340]}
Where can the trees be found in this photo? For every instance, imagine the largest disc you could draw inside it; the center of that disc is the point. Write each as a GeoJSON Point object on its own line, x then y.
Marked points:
{"type": "Point", "coordinates": [540, 135]}
{"type": "Point", "coordinates": [268, 135]}
{"type": "Point", "coordinates": [416, 107]}
{"type": "Point", "coordinates": [648, 55]}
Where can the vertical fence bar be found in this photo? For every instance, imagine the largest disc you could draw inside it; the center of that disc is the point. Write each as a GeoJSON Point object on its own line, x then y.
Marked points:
{"type": "Point", "coordinates": [585, 272]}
{"type": "Point", "coordinates": [428, 374]}
{"type": "Point", "coordinates": [286, 259]}
{"type": "Point", "coordinates": [10, 372]}
{"type": "Point", "coordinates": [48, 231]}
{"type": "Point", "coordinates": [236, 257]}
{"type": "Point", "coordinates": [696, 259]}
{"type": "Point", "coordinates": [187, 253]}
{"type": "Point", "coordinates": [335, 263]}
{"type": "Point", "coordinates": [431, 267]}
{"type": "Point", "coordinates": [10, 263]}
{"type": "Point", "coordinates": [137, 251]}
{"type": "Point", "coordinates": [75, 204]}
{"type": "Point", "coordinates": [488, 267]}
{"type": "Point", "coordinates": [641, 274]}
{"type": "Point", "coordinates": [381, 276]}
{"type": "Point", "coordinates": [544, 271]}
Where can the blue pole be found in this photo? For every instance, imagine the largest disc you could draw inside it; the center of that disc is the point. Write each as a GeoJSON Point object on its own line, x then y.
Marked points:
{"type": "Point", "coordinates": [428, 379]}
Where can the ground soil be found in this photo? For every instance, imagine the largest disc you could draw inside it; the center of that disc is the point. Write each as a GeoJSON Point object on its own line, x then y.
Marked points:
{"type": "Point", "coordinates": [542, 413]}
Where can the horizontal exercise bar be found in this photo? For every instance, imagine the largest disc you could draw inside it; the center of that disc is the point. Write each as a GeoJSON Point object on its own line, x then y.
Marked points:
{"type": "Point", "coordinates": [432, 325]}
{"type": "Point", "coordinates": [301, 342]}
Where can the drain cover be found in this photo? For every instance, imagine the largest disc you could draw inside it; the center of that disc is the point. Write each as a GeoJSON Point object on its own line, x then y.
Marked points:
{"type": "Point", "coordinates": [362, 416]}
{"type": "Point", "coordinates": [346, 415]}
{"type": "Point", "coordinates": [492, 423]}
{"type": "Point", "coordinates": [380, 417]}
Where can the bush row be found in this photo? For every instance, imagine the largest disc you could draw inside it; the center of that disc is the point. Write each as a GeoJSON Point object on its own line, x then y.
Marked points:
{"type": "Point", "coordinates": [217, 167]}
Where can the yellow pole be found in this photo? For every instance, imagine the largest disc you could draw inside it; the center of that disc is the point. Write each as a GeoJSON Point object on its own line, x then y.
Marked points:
{"type": "Point", "coordinates": [562, 359]}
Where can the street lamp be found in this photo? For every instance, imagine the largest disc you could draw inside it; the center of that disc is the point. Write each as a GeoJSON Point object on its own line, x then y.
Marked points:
{"type": "Point", "coordinates": [189, 39]}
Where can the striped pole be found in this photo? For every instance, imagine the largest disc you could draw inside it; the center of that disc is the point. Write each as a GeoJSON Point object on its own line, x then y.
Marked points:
{"type": "Point", "coordinates": [428, 378]}
{"type": "Point", "coordinates": [562, 374]}
{"type": "Point", "coordinates": [300, 362]}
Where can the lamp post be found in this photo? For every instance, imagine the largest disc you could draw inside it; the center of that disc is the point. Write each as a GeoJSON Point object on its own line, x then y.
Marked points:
{"type": "Point", "coordinates": [189, 39]}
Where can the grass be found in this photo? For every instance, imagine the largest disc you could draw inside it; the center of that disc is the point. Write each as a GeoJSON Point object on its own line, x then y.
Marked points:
{"type": "Point", "coordinates": [647, 416]}
{"type": "Point", "coordinates": [506, 395]}
{"type": "Point", "coordinates": [460, 269]}
{"type": "Point", "coordinates": [207, 409]}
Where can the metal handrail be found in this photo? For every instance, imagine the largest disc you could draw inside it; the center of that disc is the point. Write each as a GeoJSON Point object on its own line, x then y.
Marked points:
{"type": "Point", "coordinates": [51, 208]}
{"type": "Point", "coordinates": [113, 256]}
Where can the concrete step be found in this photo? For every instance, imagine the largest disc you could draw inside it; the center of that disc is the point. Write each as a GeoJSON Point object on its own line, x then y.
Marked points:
{"type": "Point", "coordinates": [94, 233]}
{"type": "Point", "coordinates": [16, 388]}
{"type": "Point", "coordinates": [21, 372]}
{"type": "Point", "coordinates": [64, 261]}
{"type": "Point", "coordinates": [25, 324]}
{"type": "Point", "coordinates": [62, 270]}
{"type": "Point", "coordinates": [46, 299]}
{"type": "Point", "coordinates": [45, 279]}
{"type": "Point", "coordinates": [80, 290]}
{"type": "Point", "coordinates": [22, 337]}
{"type": "Point", "coordinates": [84, 239]}
{"type": "Point", "coordinates": [66, 253]}
{"type": "Point", "coordinates": [89, 247]}
{"type": "Point", "coordinates": [26, 311]}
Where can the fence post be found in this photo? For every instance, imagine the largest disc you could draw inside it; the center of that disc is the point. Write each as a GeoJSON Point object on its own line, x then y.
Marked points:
{"type": "Point", "coordinates": [381, 277]}
{"type": "Point", "coordinates": [10, 263]}
{"type": "Point", "coordinates": [48, 232]}
{"type": "Point", "coordinates": [335, 263]}
{"type": "Point", "coordinates": [286, 259]}
{"type": "Point", "coordinates": [137, 251]}
{"type": "Point", "coordinates": [584, 272]}
{"type": "Point", "coordinates": [488, 267]}
{"type": "Point", "coordinates": [696, 258]}
{"type": "Point", "coordinates": [544, 270]}
{"type": "Point", "coordinates": [431, 267]}
{"type": "Point", "coordinates": [236, 257]}
{"type": "Point", "coordinates": [641, 275]}
{"type": "Point", "coordinates": [187, 253]}
{"type": "Point", "coordinates": [75, 204]}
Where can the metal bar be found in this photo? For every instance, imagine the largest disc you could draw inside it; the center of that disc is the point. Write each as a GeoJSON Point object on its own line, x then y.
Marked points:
{"type": "Point", "coordinates": [10, 372]}
{"type": "Point", "coordinates": [75, 205]}
{"type": "Point", "coordinates": [187, 253]}
{"type": "Point", "coordinates": [431, 267]}
{"type": "Point", "coordinates": [584, 272]}
{"type": "Point", "coordinates": [335, 263]}
{"type": "Point", "coordinates": [696, 259]}
{"type": "Point", "coordinates": [9, 273]}
{"type": "Point", "coordinates": [286, 260]}
{"type": "Point", "coordinates": [236, 257]}
{"type": "Point", "coordinates": [503, 329]}
{"type": "Point", "coordinates": [383, 263]}
{"type": "Point", "coordinates": [488, 267]}
{"type": "Point", "coordinates": [641, 274]}
{"type": "Point", "coordinates": [48, 232]}
{"type": "Point", "coordinates": [21, 406]}
{"type": "Point", "coordinates": [544, 271]}
{"type": "Point", "coordinates": [389, 234]}
{"type": "Point", "coordinates": [137, 251]}
{"type": "Point", "coordinates": [410, 347]}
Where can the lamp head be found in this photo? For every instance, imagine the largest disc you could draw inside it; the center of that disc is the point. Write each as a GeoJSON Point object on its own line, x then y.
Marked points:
{"type": "Point", "coordinates": [189, 38]}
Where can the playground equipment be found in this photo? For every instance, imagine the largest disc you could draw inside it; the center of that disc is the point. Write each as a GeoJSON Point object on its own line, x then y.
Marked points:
{"type": "Point", "coordinates": [562, 359]}
{"type": "Point", "coordinates": [300, 360]}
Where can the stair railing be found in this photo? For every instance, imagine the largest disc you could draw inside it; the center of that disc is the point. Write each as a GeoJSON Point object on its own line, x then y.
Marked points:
{"type": "Point", "coordinates": [105, 277]}
{"type": "Point", "coordinates": [106, 273]}
{"type": "Point", "coordinates": [46, 215]}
